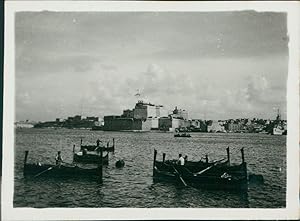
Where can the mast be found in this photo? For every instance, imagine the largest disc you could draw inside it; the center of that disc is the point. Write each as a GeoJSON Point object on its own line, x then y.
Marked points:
{"type": "Point", "coordinates": [278, 117]}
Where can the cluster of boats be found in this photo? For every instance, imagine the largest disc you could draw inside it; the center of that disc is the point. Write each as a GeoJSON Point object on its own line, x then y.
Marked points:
{"type": "Point", "coordinates": [88, 154]}
{"type": "Point", "coordinates": [220, 174]}
{"type": "Point", "coordinates": [91, 153]}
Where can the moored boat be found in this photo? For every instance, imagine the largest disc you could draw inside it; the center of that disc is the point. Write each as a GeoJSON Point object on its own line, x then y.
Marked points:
{"type": "Point", "coordinates": [98, 145]}
{"type": "Point", "coordinates": [278, 130]}
{"type": "Point", "coordinates": [60, 170]}
{"type": "Point", "coordinates": [92, 157]}
{"type": "Point", "coordinates": [182, 135]}
{"type": "Point", "coordinates": [209, 175]}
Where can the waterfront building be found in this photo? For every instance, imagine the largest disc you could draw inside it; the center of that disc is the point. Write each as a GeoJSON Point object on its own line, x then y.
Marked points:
{"type": "Point", "coordinates": [144, 110]}
{"type": "Point", "coordinates": [119, 123]}
{"type": "Point", "coordinates": [180, 114]}
{"type": "Point", "coordinates": [147, 116]}
{"type": "Point", "coordinates": [155, 123]}
{"type": "Point", "coordinates": [198, 125]}
{"type": "Point", "coordinates": [144, 116]}
{"type": "Point", "coordinates": [127, 113]}
{"type": "Point", "coordinates": [71, 122]}
{"type": "Point", "coordinates": [235, 127]}
{"type": "Point", "coordinates": [165, 123]}
{"type": "Point", "coordinates": [215, 126]}
{"type": "Point", "coordinates": [92, 118]}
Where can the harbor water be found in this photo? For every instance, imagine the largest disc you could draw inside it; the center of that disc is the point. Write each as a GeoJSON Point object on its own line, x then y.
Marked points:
{"type": "Point", "coordinates": [133, 186]}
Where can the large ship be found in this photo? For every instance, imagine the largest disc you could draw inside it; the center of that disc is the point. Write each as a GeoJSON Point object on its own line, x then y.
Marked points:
{"type": "Point", "coordinates": [278, 130]}
{"type": "Point", "coordinates": [279, 127]}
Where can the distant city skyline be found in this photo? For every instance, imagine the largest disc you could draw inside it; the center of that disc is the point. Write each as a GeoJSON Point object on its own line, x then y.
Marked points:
{"type": "Point", "coordinates": [215, 65]}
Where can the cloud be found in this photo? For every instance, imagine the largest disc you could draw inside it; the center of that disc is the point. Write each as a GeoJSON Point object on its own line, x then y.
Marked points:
{"type": "Point", "coordinates": [54, 64]}
{"type": "Point", "coordinates": [216, 65]}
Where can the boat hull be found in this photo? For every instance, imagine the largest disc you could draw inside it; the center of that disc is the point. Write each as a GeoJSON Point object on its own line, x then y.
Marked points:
{"type": "Point", "coordinates": [182, 135]}
{"type": "Point", "coordinates": [93, 158]}
{"type": "Point", "coordinates": [94, 147]}
{"type": "Point", "coordinates": [48, 170]}
{"type": "Point", "coordinates": [222, 176]}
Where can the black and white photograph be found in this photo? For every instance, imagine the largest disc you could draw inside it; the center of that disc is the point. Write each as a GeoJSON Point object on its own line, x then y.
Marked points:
{"type": "Point", "coordinates": [150, 108]}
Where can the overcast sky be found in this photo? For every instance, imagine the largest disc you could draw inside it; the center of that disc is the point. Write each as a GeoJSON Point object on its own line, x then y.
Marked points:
{"type": "Point", "coordinates": [214, 65]}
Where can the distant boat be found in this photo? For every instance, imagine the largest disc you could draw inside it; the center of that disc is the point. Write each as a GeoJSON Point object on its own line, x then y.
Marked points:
{"type": "Point", "coordinates": [99, 144]}
{"type": "Point", "coordinates": [182, 135]}
{"type": "Point", "coordinates": [92, 157]}
{"type": "Point", "coordinates": [58, 171]}
{"type": "Point", "coordinates": [97, 128]}
{"type": "Point", "coordinates": [278, 130]}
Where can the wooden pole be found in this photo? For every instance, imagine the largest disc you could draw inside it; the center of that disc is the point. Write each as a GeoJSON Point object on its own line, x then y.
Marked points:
{"type": "Point", "coordinates": [206, 158]}
{"type": "Point", "coordinates": [113, 144]}
{"type": "Point", "coordinates": [25, 160]}
{"type": "Point", "coordinates": [228, 155]}
{"type": "Point", "coordinates": [100, 167]}
{"type": "Point", "coordinates": [154, 161]}
{"type": "Point", "coordinates": [26, 155]}
{"type": "Point", "coordinates": [164, 157]}
{"type": "Point", "coordinates": [243, 157]}
{"type": "Point", "coordinates": [74, 148]}
{"type": "Point", "coordinates": [244, 164]}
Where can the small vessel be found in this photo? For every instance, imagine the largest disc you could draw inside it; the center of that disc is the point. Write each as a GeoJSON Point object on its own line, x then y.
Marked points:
{"type": "Point", "coordinates": [92, 157]}
{"type": "Point", "coordinates": [59, 171]}
{"type": "Point", "coordinates": [278, 130]}
{"type": "Point", "coordinates": [97, 128]}
{"type": "Point", "coordinates": [182, 135]}
{"type": "Point", "coordinates": [209, 175]}
{"type": "Point", "coordinates": [98, 145]}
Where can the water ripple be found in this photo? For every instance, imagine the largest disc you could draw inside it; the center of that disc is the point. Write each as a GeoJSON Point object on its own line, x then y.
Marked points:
{"type": "Point", "coordinates": [133, 186]}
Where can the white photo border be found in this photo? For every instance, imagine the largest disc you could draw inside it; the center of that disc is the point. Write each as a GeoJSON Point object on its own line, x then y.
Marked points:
{"type": "Point", "coordinates": [292, 197]}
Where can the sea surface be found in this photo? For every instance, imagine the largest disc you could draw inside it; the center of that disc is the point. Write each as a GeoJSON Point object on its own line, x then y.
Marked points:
{"type": "Point", "coordinates": [133, 186]}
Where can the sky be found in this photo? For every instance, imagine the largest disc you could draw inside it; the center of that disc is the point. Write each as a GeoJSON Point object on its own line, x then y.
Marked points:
{"type": "Point", "coordinates": [215, 65]}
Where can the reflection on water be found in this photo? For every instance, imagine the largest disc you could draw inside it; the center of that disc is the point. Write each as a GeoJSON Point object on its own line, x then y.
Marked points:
{"type": "Point", "coordinates": [133, 186]}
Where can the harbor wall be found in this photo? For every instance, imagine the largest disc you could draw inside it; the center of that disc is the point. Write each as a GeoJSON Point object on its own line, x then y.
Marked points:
{"type": "Point", "coordinates": [116, 123]}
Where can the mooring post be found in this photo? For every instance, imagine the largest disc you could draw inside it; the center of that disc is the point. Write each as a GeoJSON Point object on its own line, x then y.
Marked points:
{"type": "Point", "coordinates": [206, 158]}
{"type": "Point", "coordinates": [154, 161]}
{"type": "Point", "coordinates": [74, 148]}
{"type": "Point", "coordinates": [80, 141]}
{"type": "Point", "coordinates": [113, 144]}
{"type": "Point", "coordinates": [164, 157]}
{"type": "Point", "coordinates": [228, 155]}
{"type": "Point", "coordinates": [26, 155]}
{"type": "Point", "coordinates": [25, 160]}
{"type": "Point", "coordinates": [100, 167]}
{"type": "Point", "coordinates": [243, 157]}
{"type": "Point", "coordinates": [244, 163]}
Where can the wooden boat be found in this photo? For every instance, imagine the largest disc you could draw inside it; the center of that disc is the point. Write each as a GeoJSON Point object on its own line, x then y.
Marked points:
{"type": "Point", "coordinates": [60, 171]}
{"type": "Point", "coordinates": [210, 175]}
{"type": "Point", "coordinates": [90, 157]}
{"type": "Point", "coordinates": [182, 135]}
{"type": "Point", "coordinates": [98, 145]}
